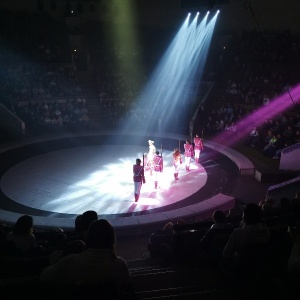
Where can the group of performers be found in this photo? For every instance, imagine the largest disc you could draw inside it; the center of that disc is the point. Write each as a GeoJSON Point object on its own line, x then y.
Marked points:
{"type": "Point", "coordinates": [153, 162]}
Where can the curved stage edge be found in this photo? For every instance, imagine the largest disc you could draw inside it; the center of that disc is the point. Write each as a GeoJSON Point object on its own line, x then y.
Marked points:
{"type": "Point", "coordinates": [190, 211]}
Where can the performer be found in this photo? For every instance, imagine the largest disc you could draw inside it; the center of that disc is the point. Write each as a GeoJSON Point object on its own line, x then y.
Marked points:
{"type": "Point", "coordinates": [158, 167]}
{"type": "Point", "coordinates": [150, 155]}
{"type": "Point", "coordinates": [198, 147]}
{"type": "Point", "coordinates": [138, 178]}
{"type": "Point", "coordinates": [177, 161]}
{"type": "Point", "coordinates": [188, 153]}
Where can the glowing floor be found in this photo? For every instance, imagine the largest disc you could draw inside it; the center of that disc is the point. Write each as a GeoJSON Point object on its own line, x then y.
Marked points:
{"type": "Point", "coordinates": [71, 181]}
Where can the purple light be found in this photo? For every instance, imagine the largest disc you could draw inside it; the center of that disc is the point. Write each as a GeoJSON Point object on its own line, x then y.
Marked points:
{"type": "Point", "coordinates": [257, 118]}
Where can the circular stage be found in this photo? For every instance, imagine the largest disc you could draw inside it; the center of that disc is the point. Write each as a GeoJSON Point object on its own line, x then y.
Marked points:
{"type": "Point", "coordinates": [71, 181]}
{"type": "Point", "coordinates": [56, 179]}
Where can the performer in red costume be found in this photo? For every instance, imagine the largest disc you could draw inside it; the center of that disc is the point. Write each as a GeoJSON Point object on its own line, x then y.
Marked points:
{"type": "Point", "coordinates": [138, 178]}
{"type": "Point", "coordinates": [198, 147]}
{"type": "Point", "coordinates": [188, 153]}
{"type": "Point", "coordinates": [177, 161]}
{"type": "Point", "coordinates": [158, 167]}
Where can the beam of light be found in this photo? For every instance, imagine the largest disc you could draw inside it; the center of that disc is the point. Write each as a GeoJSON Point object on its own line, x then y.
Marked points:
{"type": "Point", "coordinates": [258, 117]}
{"type": "Point", "coordinates": [125, 40]}
{"type": "Point", "coordinates": [173, 85]}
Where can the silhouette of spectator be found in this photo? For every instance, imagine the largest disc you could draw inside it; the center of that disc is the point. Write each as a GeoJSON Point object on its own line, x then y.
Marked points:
{"type": "Point", "coordinates": [96, 265]}
{"type": "Point", "coordinates": [22, 235]}
{"type": "Point", "coordinates": [83, 222]}
{"type": "Point", "coordinates": [160, 244]}
{"type": "Point", "coordinates": [267, 207]}
{"type": "Point", "coordinates": [219, 227]}
{"type": "Point", "coordinates": [72, 247]}
{"type": "Point", "coordinates": [245, 254]}
{"type": "Point", "coordinates": [252, 231]}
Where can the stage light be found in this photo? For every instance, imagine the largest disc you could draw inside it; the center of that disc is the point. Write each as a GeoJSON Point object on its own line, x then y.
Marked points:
{"type": "Point", "coordinates": [173, 85]}
{"type": "Point", "coordinates": [278, 105]}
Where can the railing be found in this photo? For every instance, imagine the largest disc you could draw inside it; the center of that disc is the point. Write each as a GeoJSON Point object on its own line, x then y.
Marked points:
{"type": "Point", "coordinates": [290, 158]}
{"type": "Point", "coordinates": [12, 126]}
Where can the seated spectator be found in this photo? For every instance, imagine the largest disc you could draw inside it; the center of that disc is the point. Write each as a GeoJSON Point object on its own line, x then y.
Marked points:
{"type": "Point", "coordinates": [215, 238]}
{"type": "Point", "coordinates": [246, 250]}
{"type": "Point", "coordinates": [296, 138]}
{"type": "Point", "coordinates": [266, 100]}
{"type": "Point", "coordinates": [72, 247]}
{"type": "Point", "coordinates": [267, 138]}
{"type": "Point", "coordinates": [82, 223]}
{"type": "Point", "coordinates": [160, 244]}
{"type": "Point", "coordinates": [268, 149]}
{"type": "Point", "coordinates": [288, 133]}
{"type": "Point", "coordinates": [230, 127]}
{"type": "Point", "coordinates": [276, 128]}
{"type": "Point", "coordinates": [278, 146]}
{"type": "Point", "coordinates": [96, 265]}
{"type": "Point", "coordinates": [252, 231]}
{"type": "Point", "coordinates": [252, 138]}
{"type": "Point", "coordinates": [22, 235]}
{"type": "Point", "coordinates": [220, 226]}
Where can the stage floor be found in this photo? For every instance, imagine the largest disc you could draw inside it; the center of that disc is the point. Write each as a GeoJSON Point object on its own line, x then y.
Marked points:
{"type": "Point", "coordinates": [71, 181]}
{"type": "Point", "coordinates": [59, 179]}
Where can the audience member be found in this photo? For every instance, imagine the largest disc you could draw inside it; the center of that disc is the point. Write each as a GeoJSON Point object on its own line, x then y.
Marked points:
{"type": "Point", "coordinates": [72, 247]}
{"type": "Point", "coordinates": [278, 146]}
{"type": "Point", "coordinates": [269, 148]}
{"type": "Point", "coordinates": [215, 238]}
{"type": "Point", "coordinates": [160, 244]}
{"type": "Point", "coordinates": [246, 250]}
{"type": "Point", "coordinates": [252, 231]}
{"type": "Point", "coordinates": [252, 138]}
{"type": "Point", "coordinates": [22, 235]}
{"type": "Point", "coordinates": [83, 222]}
{"type": "Point", "coordinates": [220, 227]}
{"type": "Point", "coordinates": [96, 265]}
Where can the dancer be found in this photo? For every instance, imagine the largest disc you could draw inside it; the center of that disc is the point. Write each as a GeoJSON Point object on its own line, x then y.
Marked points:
{"type": "Point", "coordinates": [188, 152]}
{"type": "Point", "coordinates": [198, 147]}
{"type": "Point", "coordinates": [138, 178]}
{"type": "Point", "coordinates": [177, 161]}
{"type": "Point", "coordinates": [150, 156]}
{"type": "Point", "coordinates": [158, 167]}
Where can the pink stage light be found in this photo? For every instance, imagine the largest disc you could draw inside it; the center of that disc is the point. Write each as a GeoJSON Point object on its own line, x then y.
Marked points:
{"type": "Point", "coordinates": [257, 118]}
